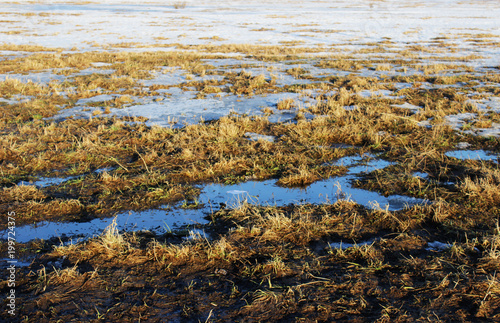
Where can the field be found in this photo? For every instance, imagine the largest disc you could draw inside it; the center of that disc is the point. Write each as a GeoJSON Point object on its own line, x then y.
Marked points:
{"type": "Point", "coordinates": [222, 161]}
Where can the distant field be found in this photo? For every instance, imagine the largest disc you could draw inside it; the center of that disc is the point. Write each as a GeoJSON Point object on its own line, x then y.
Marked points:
{"type": "Point", "coordinates": [223, 161]}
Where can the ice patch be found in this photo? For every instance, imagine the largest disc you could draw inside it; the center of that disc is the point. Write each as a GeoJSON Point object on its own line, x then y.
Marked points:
{"type": "Point", "coordinates": [493, 131]}
{"type": "Point", "coordinates": [420, 175]}
{"type": "Point", "coordinates": [6, 262]}
{"type": "Point", "coordinates": [463, 145]}
{"type": "Point", "coordinates": [437, 246]}
{"type": "Point", "coordinates": [472, 154]}
{"type": "Point", "coordinates": [346, 245]}
{"type": "Point", "coordinates": [196, 234]}
{"type": "Point", "coordinates": [105, 169]}
{"type": "Point", "coordinates": [100, 64]}
{"type": "Point", "coordinates": [457, 120]}
{"type": "Point", "coordinates": [41, 77]}
{"type": "Point", "coordinates": [47, 181]}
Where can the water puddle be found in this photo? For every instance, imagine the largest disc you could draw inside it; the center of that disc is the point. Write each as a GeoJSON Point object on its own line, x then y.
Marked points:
{"type": "Point", "coordinates": [437, 246]}
{"type": "Point", "coordinates": [53, 181]}
{"type": "Point", "coordinates": [214, 195]}
{"type": "Point", "coordinates": [420, 175]}
{"type": "Point", "coordinates": [472, 154]}
{"type": "Point", "coordinates": [155, 220]}
{"type": "Point", "coordinates": [7, 262]}
{"type": "Point", "coordinates": [346, 245]}
{"type": "Point", "coordinates": [47, 181]}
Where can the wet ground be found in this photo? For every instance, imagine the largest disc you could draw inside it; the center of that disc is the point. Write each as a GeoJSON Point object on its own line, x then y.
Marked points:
{"type": "Point", "coordinates": [248, 161]}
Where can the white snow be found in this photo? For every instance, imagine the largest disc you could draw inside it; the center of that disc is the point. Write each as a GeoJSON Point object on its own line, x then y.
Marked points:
{"type": "Point", "coordinates": [343, 23]}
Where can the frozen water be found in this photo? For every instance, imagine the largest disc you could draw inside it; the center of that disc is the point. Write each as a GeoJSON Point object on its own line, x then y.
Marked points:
{"type": "Point", "coordinates": [346, 245]}
{"type": "Point", "coordinates": [421, 175]}
{"type": "Point", "coordinates": [463, 145]}
{"type": "Point", "coordinates": [370, 93]}
{"type": "Point", "coordinates": [346, 23]}
{"type": "Point", "coordinates": [48, 181]}
{"type": "Point", "coordinates": [328, 29]}
{"type": "Point", "coordinates": [6, 262]}
{"type": "Point", "coordinates": [437, 246]}
{"type": "Point", "coordinates": [490, 104]}
{"type": "Point", "coordinates": [494, 131]}
{"type": "Point", "coordinates": [344, 26]}
{"type": "Point", "coordinates": [105, 169]}
{"type": "Point", "coordinates": [457, 120]}
{"type": "Point", "coordinates": [472, 154]}
{"type": "Point", "coordinates": [43, 77]}
{"type": "Point", "coordinates": [51, 181]}
{"type": "Point", "coordinates": [183, 107]}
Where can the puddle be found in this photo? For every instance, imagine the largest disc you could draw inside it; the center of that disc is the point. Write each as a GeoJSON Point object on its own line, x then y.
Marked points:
{"type": "Point", "coordinates": [437, 246]}
{"type": "Point", "coordinates": [472, 154]}
{"type": "Point", "coordinates": [421, 175]}
{"type": "Point", "coordinates": [52, 181]}
{"type": "Point", "coordinates": [346, 245]}
{"type": "Point", "coordinates": [7, 262]}
{"type": "Point", "coordinates": [105, 169]}
{"type": "Point", "coordinates": [155, 220]}
{"type": "Point", "coordinates": [47, 181]}
{"type": "Point", "coordinates": [214, 195]}
{"type": "Point", "coordinates": [196, 234]}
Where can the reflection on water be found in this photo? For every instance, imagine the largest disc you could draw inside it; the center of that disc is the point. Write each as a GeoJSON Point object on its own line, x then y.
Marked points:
{"type": "Point", "coordinates": [214, 195]}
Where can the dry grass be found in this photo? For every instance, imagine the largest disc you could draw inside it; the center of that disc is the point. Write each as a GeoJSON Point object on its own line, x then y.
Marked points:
{"type": "Point", "coordinates": [484, 190]}
{"type": "Point", "coordinates": [280, 258]}
{"type": "Point", "coordinates": [286, 104]}
{"type": "Point", "coordinates": [260, 263]}
{"type": "Point", "coordinates": [180, 4]}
